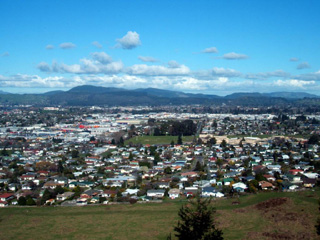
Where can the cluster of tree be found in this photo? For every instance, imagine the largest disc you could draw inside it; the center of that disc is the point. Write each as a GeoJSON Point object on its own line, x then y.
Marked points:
{"type": "Point", "coordinates": [314, 139]}
{"type": "Point", "coordinates": [176, 128]}
{"type": "Point", "coordinates": [28, 200]}
{"type": "Point", "coordinates": [51, 194]}
{"type": "Point", "coordinates": [199, 167]}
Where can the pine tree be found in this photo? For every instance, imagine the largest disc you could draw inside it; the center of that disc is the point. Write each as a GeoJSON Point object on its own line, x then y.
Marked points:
{"type": "Point", "coordinates": [60, 167]}
{"type": "Point", "coordinates": [121, 141]}
{"type": "Point", "coordinates": [197, 221]}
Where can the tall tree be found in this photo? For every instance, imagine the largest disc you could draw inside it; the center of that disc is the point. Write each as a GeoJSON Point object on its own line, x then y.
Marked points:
{"type": "Point", "coordinates": [197, 221]}
{"type": "Point", "coordinates": [223, 143]}
{"type": "Point", "coordinates": [212, 141]}
{"type": "Point", "coordinates": [157, 132]}
{"type": "Point", "coordinates": [60, 167]}
{"type": "Point", "coordinates": [121, 141]}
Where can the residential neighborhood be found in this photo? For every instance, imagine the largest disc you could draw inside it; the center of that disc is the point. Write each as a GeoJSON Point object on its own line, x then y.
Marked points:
{"type": "Point", "coordinates": [76, 157]}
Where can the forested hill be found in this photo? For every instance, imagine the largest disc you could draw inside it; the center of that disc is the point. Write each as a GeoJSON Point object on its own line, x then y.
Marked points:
{"type": "Point", "coordinates": [88, 95]}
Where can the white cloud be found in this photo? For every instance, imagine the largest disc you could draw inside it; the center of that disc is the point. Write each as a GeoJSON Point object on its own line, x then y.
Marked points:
{"type": "Point", "coordinates": [189, 83]}
{"type": "Point", "coordinates": [23, 80]}
{"type": "Point", "coordinates": [217, 72]}
{"type": "Point", "coordinates": [101, 57]}
{"type": "Point", "coordinates": [67, 45]}
{"type": "Point", "coordinates": [64, 68]}
{"type": "Point", "coordinates": [49, 47]}
{"type": "Point", "coordinates": [129, 41]}
{"type": "Point", "coordinates": [210, 50]}
{"type": "Point", "coordinates": [313, 76]}
{"type": "Point", "coordinates": [266, 75]}
{"type": "Point", "coordinates": [218, 84]}
{"type": "Point", "coordinates": [100, 63]}
{"type": "Point", "coordinates": [147, 59]}
{"type": "Point", "coordinates": [44, 67]}
{"type": "Point", "coordinates": [234, 56]}
{"type": "Point", "coordinates": [294, 83]}
{"type": "Point", "coordinates": [223, 83]}
{"type": "Point", "coordinates": [157, 70]}
{"type": "Point", "coordinates": [174, 64]}
{"type": "Point", "coordinates": [97, 44]}
{"type": "Point", "coordinates": [87, 66]}
{"type": "Point", "coordinates": [225, 72]}
{"type": "Point", "coordinates": [303, 65]}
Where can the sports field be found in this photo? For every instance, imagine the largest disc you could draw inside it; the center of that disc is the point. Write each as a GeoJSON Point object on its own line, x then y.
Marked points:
{"type": "Point", "coordinates": [157, 140]}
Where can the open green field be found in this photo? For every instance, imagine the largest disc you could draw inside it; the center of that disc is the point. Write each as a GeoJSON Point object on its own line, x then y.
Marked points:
{"type": "Point", "coordinates": [262, 216]}
{"type": "Point", "coordinates": [157, 139]}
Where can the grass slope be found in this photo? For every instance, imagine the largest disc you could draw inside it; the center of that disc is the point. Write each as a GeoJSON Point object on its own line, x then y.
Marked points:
{"type": "Point", "coordinates": [294, 218]}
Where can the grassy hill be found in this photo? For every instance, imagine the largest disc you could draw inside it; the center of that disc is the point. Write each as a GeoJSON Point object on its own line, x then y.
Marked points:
{"type": "Point", "coordinates": [262, 216]}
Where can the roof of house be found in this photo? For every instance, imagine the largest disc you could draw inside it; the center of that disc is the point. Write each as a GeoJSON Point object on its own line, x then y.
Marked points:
{"type": "Point", "coordinates": [156, 191]}
{"type": "Point", "coordinates": [189, 173]}
{"type": "Point", "coordinates": [265, 184]}
{"type": "Point", "coordinates": [6, 195]}
{"type": "Point", "coordinates": [174, 191]}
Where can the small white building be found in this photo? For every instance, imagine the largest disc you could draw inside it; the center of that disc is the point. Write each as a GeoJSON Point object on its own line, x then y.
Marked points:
{"type": "Point", "coordinates": [156, 193]}
{"type": "Point", "coordinates": [174, 193]}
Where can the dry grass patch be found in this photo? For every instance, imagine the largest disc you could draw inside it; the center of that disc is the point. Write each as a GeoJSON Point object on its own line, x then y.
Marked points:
{"type": "Point", "coordinates": [284, 220]}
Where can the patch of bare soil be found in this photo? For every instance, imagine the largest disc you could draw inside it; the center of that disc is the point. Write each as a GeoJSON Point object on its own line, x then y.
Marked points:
{"type": "Point", "coordinates": [281, 210]}
{"type": "Point", "coordinates": [272, 203]}
{"type": "Point", "coordinates": [280, 235]}
{"type": "Point", "coordinates": [285, 221]}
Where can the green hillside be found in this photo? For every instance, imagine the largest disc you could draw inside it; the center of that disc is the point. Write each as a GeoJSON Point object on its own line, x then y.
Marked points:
{"type": "Point", "coordinates": [262, 216]}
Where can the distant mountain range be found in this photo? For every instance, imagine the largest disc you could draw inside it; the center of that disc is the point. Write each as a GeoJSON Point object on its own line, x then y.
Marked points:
{"type": "Point", "coordinates": [287, 95]}
{"type": "Point", "coordinates": [88, 95]}
{"type": "Point", "coordinates": [2, 92]}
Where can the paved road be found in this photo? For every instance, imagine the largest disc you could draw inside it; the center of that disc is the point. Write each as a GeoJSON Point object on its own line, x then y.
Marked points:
{"type": "Point", "coordinates": [199, 127]}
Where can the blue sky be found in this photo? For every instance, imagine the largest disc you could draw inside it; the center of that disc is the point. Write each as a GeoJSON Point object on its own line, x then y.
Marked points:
{"type": "Point", "coordinates": [216, 47]}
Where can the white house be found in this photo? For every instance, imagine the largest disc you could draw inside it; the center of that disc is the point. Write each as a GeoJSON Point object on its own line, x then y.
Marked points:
{"type": "Point", "coordinates": [240, 187]}
{"type": "Point", "coordinates": [156, 193]}
{"type": "Point", "coordinates": [174, 193]}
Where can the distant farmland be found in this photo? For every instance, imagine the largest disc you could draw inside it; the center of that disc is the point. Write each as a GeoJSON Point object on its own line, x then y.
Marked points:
{"type": "Point", "coordinates": [269, 215]}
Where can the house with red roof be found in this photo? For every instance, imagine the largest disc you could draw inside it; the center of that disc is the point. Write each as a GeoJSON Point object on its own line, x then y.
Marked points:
{"type": "Point", "coordinates": [6, 197]}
